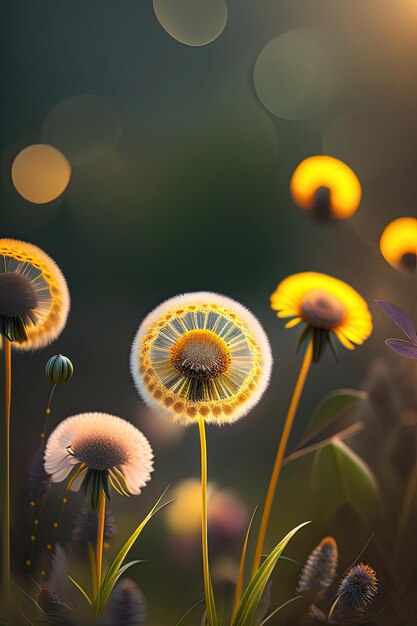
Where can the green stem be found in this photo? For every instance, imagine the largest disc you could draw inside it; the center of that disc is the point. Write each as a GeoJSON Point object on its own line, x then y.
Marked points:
{"type": "Point", "coordinates": [100, 538]}
{"type": "Point", "coordinates": [204, 526]}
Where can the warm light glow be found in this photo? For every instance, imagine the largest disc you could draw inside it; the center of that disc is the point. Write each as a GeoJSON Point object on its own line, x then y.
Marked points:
{"type": "Point", "coordinates": [326, 172]}
{"type": "Point", "coordinates": [398, 243]}
{"type": "Point", "coordinates": [40, 173]}
{"type": "Point", "coordinates": [192, 22]}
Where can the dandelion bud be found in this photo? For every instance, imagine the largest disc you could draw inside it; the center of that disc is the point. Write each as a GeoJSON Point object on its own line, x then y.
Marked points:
{"type": "Point", "coordinates": [320, 569]}
{"type": "Point", "coordinates": [127, 605]}
{"type": "Point", "coordinates": [356, 591]}
{"type": "Point", "coordinates": [59, 369]}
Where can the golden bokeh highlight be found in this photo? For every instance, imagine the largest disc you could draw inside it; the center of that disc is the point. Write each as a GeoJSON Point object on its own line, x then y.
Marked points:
{"type": "Point", "coordinates": [40, 173]}
{"type": "Point", "coordinates": [192, 22]}
{"type": "Point", "coordinates": [398, 243]}
{"type": "Point", "coordinates": [293, 75]}
{"type": "Point", "coordinates": [324, 302]}
{"type": "Point", "coordinates": [323, 171]}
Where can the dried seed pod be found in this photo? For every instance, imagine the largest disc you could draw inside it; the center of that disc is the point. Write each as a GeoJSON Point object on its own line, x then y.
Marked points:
{"type": "Point", "coordinates": [320, 569]}
{"type": "Point", "coordinates": [126, 606]}
{"type": "Point", "coordinates": [38, 480]}
{"type": "Point", "coordinates": [356, 592]}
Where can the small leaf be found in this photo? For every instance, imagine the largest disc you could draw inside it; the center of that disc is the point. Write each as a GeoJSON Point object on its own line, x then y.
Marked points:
{"type": "Point", "coordinates": [271, 615]}
{"type": "Point", "coordinates": [399, 317]}
{"type": "Point", "coordinates": [84, 593]}
{"type": "Point", "coordinates": [330, 408]}
{"type": "Point", "coordinates": [405, 348]}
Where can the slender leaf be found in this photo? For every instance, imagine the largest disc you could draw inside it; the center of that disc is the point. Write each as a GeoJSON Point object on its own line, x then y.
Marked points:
{"type": "Point", "coordinates": [241, 576]}
{"type": "Point", "coordinates": [186, 615]}
{"type": "Point", "coordinates": [255, 589]}
{"type": "Point", "coordinates": [111, 576]}
{"type": "Point", "coordinates": [403, 347]}
{"type": "Point", "coordinates": [399, 317]}
{"type": "Point", "coordinates": [84, 593]}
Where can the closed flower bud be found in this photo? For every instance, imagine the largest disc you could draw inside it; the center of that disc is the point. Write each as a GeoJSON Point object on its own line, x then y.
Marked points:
{"type": "Point", "coordinates": [59, 369]}
{"type": "Point", "coordinates": [320, 569]}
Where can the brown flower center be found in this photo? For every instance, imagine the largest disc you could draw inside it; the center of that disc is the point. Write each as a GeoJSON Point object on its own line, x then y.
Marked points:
{"type": "Point", "coordinates": [99, 452]}
{"type": "Point", "coordinates": [322, 309]}
{"type": "Point", "coordinates": [409, 261]}
{"type": "Point", "coordinates": [200, 354]}
{"type": "Point", "coordinates": [17, 295]}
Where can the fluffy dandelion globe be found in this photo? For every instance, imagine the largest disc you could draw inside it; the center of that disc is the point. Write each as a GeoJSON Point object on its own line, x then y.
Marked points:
{"type": "Point", "coordinates": [34, 297]}
{"type": "Point", "coordinates": [327, 306]}
{"type": "Point", "coordinates": [201, 355]}
{"type": "Point", "coordinates": [398, 243]}
{"type": "Point", "coordinates": [327, 187]}
{"type": "Point", "coordinates": [104, 450]}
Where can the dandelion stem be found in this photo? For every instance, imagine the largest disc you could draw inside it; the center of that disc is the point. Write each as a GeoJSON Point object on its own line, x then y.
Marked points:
{"type": "Point", "coordinates": [204, 530]}
{"type": "Point", "coordinates": [100, 537]}
{"type": "Point", "coordinates": [305, 367]}
{"type": "Point", "coordinates": [5, 460]}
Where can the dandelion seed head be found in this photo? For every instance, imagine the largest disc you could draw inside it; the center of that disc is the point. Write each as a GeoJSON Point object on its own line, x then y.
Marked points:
{"type": "Point", "coordinates": [34, 295]}
{"type": "Point", "coordinates": [357, 590]}
{"type": "Point", "coordinates": [101, 442]}
{"type": "Point", "coordinates": [201, 355]}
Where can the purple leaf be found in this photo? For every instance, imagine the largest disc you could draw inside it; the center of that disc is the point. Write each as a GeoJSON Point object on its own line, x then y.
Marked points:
{"type": "Point", "coordinates": [399, 317]}
{"type": "Point", "coordinates": [405, 348]}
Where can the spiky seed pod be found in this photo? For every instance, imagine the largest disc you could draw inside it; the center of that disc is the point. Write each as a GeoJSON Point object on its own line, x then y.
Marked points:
{"type": "Point", "coordinates": [50, 601]}
{"type": "Point", "coordinates": [356, 592]}
{"type": "Point", "coordinates": [319, 570]}
{"type": "Point", "coordinates": [39, 481]}
{"type": "Point", "coordinates": [84, 531]}
{"type": "Point", "coordinates": [127, 606]}
{"type": "Point", "coordinates": [59, 369]}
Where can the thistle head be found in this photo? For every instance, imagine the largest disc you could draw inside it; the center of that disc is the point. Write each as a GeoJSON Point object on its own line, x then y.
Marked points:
{"type": "Point", "coordinates": [319, 570]}
{"type": "Point", "coordinates": [356, 591]}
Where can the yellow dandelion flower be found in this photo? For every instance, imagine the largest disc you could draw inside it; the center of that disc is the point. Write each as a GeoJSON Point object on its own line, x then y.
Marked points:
{"type": "Point", "coordinates": [398, 243]}
{"type": "Point", "coordinates": [34, 297]}
{"type": "Point", "coordinates": [327, 187]}
{"type": "Point", "coordinates": [327, 306]}
{"type": "Point", "coordinates": [201, 355]}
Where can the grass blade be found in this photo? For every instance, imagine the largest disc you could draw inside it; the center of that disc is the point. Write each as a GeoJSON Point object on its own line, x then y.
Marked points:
{"type": "Point", "coordinates": [250, 600]}
{"type": "Point", "coordinates": [84, 593]}
{"type": "Point", "coordinates": [271, 615]}
{"type": "Point", "coordinates": [241, 576]}
{"type": "Point", "coordinates": [110, 577]}
{"type": "Point", "coordinates": [186, 615]}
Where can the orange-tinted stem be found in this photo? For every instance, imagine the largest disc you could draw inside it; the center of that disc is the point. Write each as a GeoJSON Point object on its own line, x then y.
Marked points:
{"type": "Point", "coordinates": [305, 367]}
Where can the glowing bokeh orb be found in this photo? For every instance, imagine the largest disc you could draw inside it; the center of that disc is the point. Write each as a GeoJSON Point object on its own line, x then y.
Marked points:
{"type": "Point", "coordinates": [40, 173]}
{"type": "Point", "coordinates": [398, 243]}
{"type": "Point", "coordinates": [192, 22]}
{"type": "Point", "coordinates": [293, 76]}
{"type": "Point", "coordinates": [318, 173]}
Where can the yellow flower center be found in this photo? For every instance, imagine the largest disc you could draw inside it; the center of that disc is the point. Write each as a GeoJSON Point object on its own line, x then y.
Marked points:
{"type": "Point", "coordinates": [322, 309]}
{"type": "Point", "coordinates": [200, 354]}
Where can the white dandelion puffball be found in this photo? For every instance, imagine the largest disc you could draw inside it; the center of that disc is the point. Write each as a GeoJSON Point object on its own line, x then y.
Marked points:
{"type": "Point", "coordinates": [201, 355]}
{"type": "Point", "coordinates": [100, 442]}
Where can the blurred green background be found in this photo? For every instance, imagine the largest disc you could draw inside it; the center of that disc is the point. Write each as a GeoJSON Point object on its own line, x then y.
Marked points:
{"type": "Point", "coordinates": [180, 182]}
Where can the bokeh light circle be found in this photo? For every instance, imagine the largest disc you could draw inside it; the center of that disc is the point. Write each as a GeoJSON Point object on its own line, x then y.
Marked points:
{"type": "Point", "coordinates": [398, 243]}
{"type": "Point", "coordinates": [84, 127]}
{"type": "Point", "coordinates": [192, 22]}
{"type": "Point", "coordinates": [293, 76]}
{"type": "Point", "coordinates": [325, 171]}
{"type": "Point", "coordinates": [40, 173]}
